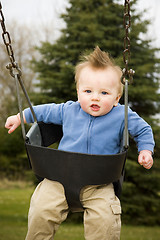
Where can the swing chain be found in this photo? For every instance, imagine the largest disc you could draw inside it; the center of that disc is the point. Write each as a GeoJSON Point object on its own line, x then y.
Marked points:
{"type": "Point", "coordinates": [13, 65]}
{"type": "Point", "coordinates": [126, 53]}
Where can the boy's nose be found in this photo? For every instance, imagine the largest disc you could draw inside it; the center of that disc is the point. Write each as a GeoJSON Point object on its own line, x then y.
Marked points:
{"type": "Point", "coordinates": [95, 97]}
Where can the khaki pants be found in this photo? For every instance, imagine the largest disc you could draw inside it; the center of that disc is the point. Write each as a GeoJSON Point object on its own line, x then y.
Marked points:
{"type": "Point", "coordinates": [48, 209]}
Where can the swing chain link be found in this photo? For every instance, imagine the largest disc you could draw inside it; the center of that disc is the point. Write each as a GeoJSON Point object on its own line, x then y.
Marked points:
{"type": "Point", "coordinates": [127, 73]}
{"type": "Point", "coordinates": [13, 65]}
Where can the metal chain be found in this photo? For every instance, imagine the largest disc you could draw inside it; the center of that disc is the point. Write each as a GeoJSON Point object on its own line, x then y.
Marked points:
{"type": "Point", "coordinates": [127, 76]}
{"type": "Point", "coordinates": [7, 42]}
{"type": "Point", "coordinates": [13, 67]}
{"type": "Point", "coordinates": [127, 73]}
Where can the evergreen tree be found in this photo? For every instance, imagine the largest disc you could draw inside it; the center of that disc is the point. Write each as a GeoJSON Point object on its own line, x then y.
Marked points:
{"type": "Point", "coordinates": [88, 23]}
{"type": "Point", "coordinates": [100, 22]}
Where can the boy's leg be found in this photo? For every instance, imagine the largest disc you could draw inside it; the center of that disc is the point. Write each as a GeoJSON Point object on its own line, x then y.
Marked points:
{"type": "Point", "coordinates": [102, 213]}
{"type": "Point", "coordinates": [48, 208]}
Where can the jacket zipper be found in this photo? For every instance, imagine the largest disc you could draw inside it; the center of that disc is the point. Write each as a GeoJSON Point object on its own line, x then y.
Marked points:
{"type": "Point", "coordinates": [89, 135]}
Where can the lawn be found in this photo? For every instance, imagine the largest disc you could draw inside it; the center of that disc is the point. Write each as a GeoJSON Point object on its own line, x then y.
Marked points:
{"type": "Point", "coordinates": [14, 204]}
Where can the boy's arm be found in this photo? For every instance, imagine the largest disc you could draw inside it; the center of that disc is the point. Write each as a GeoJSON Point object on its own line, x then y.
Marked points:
{"type": "Point", "coordinates": [142, 133]}
{"type": "Point", "coordinates": [13, 122]}
{"type": "Point", "coordinates": [47, 113]}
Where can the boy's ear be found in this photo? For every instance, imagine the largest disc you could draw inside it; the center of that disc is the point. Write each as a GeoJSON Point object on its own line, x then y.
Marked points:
{"type": "Point", "coordinates": [117, 100]}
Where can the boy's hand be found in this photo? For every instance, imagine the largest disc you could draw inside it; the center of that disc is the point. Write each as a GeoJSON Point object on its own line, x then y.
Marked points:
{"type": "Point", "coordinates": [12, 122]}
{"type": "Point", "coordinates": [145, 159]}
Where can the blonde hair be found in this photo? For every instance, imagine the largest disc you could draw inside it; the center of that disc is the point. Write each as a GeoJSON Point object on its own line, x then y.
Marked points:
{"type": "Point", "coordinates": [99, 60]}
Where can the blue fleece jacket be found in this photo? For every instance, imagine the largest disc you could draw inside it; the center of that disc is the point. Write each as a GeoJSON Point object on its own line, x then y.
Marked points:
{"type": "Point", "coordinates": [94, 135]}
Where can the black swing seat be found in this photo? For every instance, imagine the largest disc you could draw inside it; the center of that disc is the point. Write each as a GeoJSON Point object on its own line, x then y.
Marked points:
{"type": "Point", "coordinates": [72, 170]}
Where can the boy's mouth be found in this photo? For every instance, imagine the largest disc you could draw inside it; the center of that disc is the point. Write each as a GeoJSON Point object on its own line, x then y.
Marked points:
{"type": "Point", "coordinates": [95, 107]}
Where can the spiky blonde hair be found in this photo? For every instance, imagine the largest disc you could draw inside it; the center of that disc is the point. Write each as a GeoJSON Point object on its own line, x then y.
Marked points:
{"type": "Point", "coordinates": [98, 60]}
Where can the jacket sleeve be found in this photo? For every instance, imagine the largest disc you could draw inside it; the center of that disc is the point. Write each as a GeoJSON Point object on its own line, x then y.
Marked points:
{"type": "Point", "coordinates": [141, 131]}
{"type": "Point", "coordinates": [47, 113]}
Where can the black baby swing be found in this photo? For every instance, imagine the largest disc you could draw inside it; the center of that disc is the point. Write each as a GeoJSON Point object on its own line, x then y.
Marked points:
{"type": "Point", "coordinates": [72, 170]}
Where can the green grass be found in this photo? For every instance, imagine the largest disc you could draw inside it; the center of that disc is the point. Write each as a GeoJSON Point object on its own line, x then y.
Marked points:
{"type": "Point", "coordinates": [14, 204]}
{"type": "Point", "coordinates": [75, 232]}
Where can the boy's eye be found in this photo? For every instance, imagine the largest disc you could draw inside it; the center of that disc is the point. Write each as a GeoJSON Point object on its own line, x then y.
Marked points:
{"type": "Point", "coordinates": [88, 91]}
{"type": "Point", "coordinates": [104, 93]}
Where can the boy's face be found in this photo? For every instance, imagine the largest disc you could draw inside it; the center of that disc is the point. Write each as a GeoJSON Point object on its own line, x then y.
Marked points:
{"type": "Point", "coordinates": [98, 90]}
